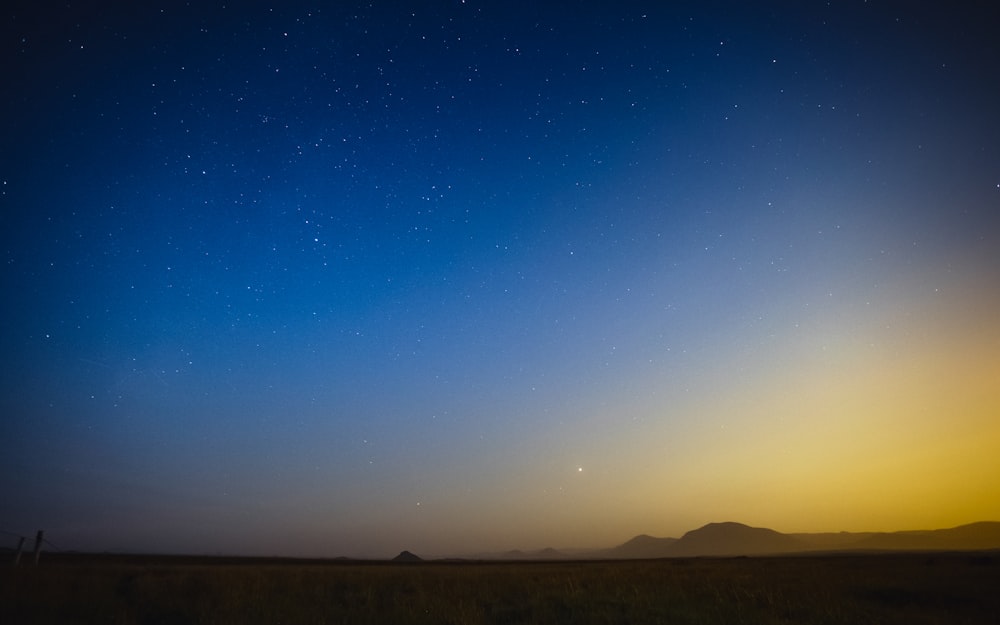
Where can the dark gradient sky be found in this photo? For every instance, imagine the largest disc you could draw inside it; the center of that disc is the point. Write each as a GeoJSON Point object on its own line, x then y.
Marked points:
{"type": "Point", "coordinates": [459, 276]}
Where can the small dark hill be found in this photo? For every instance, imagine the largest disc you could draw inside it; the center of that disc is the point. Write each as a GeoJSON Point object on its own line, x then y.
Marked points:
{"type": "Point", "coordinates": [733, 539]}
{"type": "Point", "coordinates": [549, 554]}
{"type": "Point", "coordinates": [642, 546]}
{"type": "Point", "coordinates": [406, 556]}
{"type": "Point", "coordinates": [516, 554]}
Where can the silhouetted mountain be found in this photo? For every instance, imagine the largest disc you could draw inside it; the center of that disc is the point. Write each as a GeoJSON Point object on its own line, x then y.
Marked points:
{"type": "Point", "coordinates": [831, 541]}
{"type": "Point", "coordinates": [734, 539]}
{"type": "Point", "coordinates": [642, 546]}
{"type": "Point", "coordinates": [984, 535]}
{"type": "Point", "coordinates": [406, 556]}
{"type": "Point", "coordinates": [549, 554]}
{"type": "Point", "coordinates": [517, 554]}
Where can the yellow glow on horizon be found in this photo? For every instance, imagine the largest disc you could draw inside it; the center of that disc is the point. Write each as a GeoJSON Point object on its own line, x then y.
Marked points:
{"type": "Point", "coordinates": [881, 429]}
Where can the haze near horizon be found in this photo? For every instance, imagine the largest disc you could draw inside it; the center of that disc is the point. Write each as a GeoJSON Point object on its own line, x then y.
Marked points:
{"type": "Point", "coordinates": [323, 281]}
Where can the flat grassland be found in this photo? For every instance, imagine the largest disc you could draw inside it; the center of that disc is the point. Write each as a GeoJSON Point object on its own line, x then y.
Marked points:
{"type": "Point", "coordinates": [857, 589]}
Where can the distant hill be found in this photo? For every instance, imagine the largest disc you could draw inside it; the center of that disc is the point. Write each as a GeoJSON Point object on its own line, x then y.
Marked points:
{"type": "Point", "coordinates": [736, 539]}
{"type": "Point", "coordinates": [516, 554]}
{"type": "Point", "coordinates": [540, 554]}
{"type": "Point", "coordinates": [406, 556]}
{"type": "Point", "coordinates": [984, 535]}
{"type": "Point", "coordinates": [832, 541]}
{"type": "Point", "coordinates": [549, 554]}
{"type": "Point", "coordinates": [642, 546]}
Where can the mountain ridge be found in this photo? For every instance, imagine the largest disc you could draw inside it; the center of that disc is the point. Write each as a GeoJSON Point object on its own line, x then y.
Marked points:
{"type": "Point", "coordinates": [732, 539]}
{"type": "Point", "coordinates": [737, 539]}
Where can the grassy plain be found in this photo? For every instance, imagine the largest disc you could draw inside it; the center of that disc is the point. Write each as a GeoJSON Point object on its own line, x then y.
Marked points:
{"type": "Point", "coordinates": [857, 589]}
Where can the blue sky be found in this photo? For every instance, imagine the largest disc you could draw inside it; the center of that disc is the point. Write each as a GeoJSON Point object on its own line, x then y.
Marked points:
{"type": "Point", "coordinates": [342, 281]}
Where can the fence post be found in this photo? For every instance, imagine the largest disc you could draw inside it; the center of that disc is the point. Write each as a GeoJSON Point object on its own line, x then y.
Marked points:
{"type": "Point", "coordinates": [38, 545]}
{"type": "Point", "coordinates": [17, 554]}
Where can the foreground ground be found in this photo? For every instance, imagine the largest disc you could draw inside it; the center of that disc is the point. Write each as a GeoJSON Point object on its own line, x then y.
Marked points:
{"type": "Point", "coordinates": [857, 589]}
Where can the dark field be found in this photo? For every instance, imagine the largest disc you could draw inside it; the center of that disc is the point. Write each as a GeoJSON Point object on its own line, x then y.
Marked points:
{"type": "Point", "coordinates": [857, 589]}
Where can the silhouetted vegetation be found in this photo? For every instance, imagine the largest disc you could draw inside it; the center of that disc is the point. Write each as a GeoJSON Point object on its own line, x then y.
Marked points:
{"type": "Point", "coordinates": [897, 588]}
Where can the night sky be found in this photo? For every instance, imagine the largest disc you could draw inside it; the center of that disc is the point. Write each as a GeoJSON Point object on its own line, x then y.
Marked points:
{"type": "Point", "coordinates": [452, 277]}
